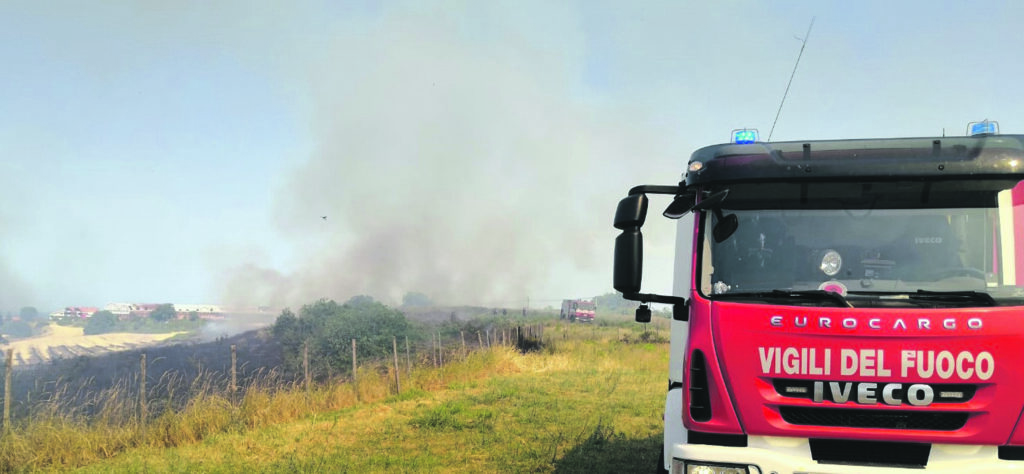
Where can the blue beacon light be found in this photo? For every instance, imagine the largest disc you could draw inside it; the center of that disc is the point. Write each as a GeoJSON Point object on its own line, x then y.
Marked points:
{"type": "Point", "coordinates": [744, 136]}
{"type": "Point", "coordinates": [985, 127]}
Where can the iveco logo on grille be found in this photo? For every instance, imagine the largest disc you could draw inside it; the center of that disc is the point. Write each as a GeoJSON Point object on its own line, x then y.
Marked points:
{"type": "Point", "coordinates": [871, 393]}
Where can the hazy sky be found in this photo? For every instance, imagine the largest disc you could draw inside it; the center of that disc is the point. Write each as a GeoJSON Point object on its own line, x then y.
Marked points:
{"type": "Point", "coordinates": [470, 150]}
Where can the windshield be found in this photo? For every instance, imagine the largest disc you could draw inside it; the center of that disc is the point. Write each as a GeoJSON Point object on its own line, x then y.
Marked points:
{"type": "Point", "coordinates": [869, 244]}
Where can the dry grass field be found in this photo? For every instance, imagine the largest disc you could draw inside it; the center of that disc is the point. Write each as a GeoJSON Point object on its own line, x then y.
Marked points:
{"type": "Point", "coordinates": [67, 342]}
{"type": "Point", "coordinates": [588, 400]}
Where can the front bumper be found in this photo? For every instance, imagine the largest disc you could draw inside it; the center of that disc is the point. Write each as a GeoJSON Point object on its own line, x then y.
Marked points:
{"type": "Point", "coordinates": [779, 455]}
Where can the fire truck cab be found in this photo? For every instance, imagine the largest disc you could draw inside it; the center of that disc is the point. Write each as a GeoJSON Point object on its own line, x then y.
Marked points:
{"type": "Point", "coordinates": [578, 311]}
{"type": "Point", "coordinates": [842, 305]}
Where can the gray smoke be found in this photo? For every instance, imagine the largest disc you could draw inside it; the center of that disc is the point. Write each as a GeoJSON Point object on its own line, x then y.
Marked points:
{"type": "Point", "coordinates": [449, 164]}
{"type": "Point", "coordinates": [14, 292]}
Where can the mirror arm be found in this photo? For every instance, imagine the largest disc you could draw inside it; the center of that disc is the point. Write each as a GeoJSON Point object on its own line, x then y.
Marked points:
{"type": "Point", "coordinates": [655, 189]}
{"type": "Point", "coordinates": [652, 298]}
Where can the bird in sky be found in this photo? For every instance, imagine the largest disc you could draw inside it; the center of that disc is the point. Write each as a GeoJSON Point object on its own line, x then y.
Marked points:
{"type": "Point", "coordinates": [323, 217]}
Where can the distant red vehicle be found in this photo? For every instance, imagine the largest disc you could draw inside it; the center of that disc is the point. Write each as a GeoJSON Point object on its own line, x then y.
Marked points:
{"type": "Point", "coordinates": [577, 310]}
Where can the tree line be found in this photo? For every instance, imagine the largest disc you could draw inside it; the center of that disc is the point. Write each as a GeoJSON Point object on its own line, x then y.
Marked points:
{"type": "Point", "coordinates": [104, 321]}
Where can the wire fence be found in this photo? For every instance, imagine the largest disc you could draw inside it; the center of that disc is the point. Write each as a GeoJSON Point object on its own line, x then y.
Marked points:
{"type": "Point", "coordinates": [146, 393]}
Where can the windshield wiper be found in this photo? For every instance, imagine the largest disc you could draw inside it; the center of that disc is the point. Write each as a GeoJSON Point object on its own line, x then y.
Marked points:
{"type": "Point", "coordinates": [954, 297]}
{"type": "Point", "coordinates": [807, 295]}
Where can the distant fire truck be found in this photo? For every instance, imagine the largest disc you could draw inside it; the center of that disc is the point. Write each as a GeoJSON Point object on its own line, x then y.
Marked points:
{"type": "Point", "coordinates": [843, 305]}
{"type": "Point", "coordinates": [577, 310]}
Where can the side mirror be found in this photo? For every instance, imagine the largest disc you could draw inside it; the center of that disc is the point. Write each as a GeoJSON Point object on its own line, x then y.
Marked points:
{"type": "Point", "coordinates": [679, 207]}
{"type": "Point", "coordinates": [712, 201]}
{"type": "Point", "coordinates": [643, 314]}
{"type": "Point", "coordinates": [725, 227]}
{"type": "Point", "coordinates": [681, 312]}
{"type": "Point", "coordinates": [629, 261]}
{"type": "Point", "coordinates": [632, 212]}
{"type": "Point", "coordinates": [629, 245]}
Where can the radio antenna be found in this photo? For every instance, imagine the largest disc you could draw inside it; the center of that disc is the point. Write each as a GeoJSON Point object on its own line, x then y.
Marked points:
{"type": "Point", "coordinates": [803, 44]}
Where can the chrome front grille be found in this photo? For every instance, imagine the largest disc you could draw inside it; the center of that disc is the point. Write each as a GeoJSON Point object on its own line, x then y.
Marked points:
{"type": "Point", "coordinates": [843, 410]}
{"type": "Point", "coordinates": [874, 418]}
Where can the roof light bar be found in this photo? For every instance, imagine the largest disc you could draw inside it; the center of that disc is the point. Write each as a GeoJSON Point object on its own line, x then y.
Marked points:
{"type": "Point", "coordinates": [984, 127]}
{"type": "Point", "coordinates": [743, 136]}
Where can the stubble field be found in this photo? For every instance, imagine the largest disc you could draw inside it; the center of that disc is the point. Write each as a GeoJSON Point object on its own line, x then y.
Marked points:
{"type": "Point", "coordinates": [64, 342]}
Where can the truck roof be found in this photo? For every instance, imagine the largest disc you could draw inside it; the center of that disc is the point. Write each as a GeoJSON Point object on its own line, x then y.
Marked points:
{"type": "Point", "coordinates": [927, 158]}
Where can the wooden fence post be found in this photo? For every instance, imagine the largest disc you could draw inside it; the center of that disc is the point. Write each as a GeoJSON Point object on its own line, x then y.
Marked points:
{"type": "Point", "coordinates": [479, 340]}
{"type": "Point", "coordinates": [462, 335]}
{"type": "Point", "coordinates": [234, 374]}
{"type": "Point", "coordinates": [305, 364]}
{"type": "Point", "coordinates": [440, 349]}
{"type": "Point", "coordinates": [398, 383]}
{"type": "Point", "coordinates": [408, 359]}
{"type": "Point", "coordinates": [355, 379]}
{"type": "Point", "coordinates": [142, 393]}
{"type": "Point", "coordinates": [7, 390]}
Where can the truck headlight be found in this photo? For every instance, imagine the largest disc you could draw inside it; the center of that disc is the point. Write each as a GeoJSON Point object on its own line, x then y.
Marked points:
{"type": "Point", "coordinates": [831, 262]}
{"type": "Point", "coordinates": [699, 467]}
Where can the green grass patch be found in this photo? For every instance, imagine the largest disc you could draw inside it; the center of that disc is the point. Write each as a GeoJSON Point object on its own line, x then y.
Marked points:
{"type": "Point", "coordinates": [455, 415]}
{"type": "Point", "coordinates": [408, 394]}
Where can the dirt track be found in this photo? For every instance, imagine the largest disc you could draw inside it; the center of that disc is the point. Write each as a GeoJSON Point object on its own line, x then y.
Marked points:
{"type": "Point", "coordinates": [67, 342]}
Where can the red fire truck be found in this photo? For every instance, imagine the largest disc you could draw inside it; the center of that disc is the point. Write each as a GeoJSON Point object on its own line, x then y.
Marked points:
{"type": "Point", "coordinates": [577, 311]}
{"type": "Point", "coordinates": [842, 305]}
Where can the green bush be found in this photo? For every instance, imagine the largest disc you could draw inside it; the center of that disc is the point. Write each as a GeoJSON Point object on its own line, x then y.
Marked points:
{"type": "Point", "coordinates": [16, 329]}
{"type": "Point", "coordinates": [101, 322]}
{"type": "Point", "coordinates": [330, 328]}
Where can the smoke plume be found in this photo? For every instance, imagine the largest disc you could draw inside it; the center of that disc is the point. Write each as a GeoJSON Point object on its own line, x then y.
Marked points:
{"type": "Point", "coordinates": [452, 165]}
